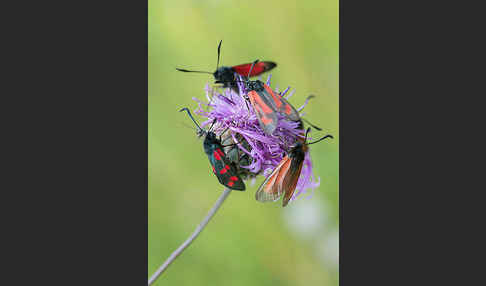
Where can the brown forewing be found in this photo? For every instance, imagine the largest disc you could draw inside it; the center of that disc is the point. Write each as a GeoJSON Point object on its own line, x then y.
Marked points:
{"type": "Point", "coordinates": [271, 189]}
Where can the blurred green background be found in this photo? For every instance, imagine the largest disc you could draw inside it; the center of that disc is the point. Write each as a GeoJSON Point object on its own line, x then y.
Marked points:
{"type": "Point", "coordinates": [247, 242]}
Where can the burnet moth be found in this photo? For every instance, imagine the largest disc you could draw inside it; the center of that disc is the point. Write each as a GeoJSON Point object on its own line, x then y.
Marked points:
{"type": "Point", "coordinates": [284, 178]}
{"type": "Point", "coordinates": [226, 75]}
{"type": "Point", "coordinates": [222, 167]}
{"type": "Point", "coordinates": [267, 103]}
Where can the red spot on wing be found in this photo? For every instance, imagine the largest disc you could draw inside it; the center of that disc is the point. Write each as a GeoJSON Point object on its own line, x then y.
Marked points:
{"type": "Point", "coordinates": [220, 152]}
{"type": "Point", "coordinates": [258, 68]}
{"type": "Point", "coordinates": [224, 170]}
{"type": "Point", "coordinates": [243, 69]}
{"type": "Point", "coordinates": [288, 109]}
{"type": "Point", "coordinates": [266, 120]}
{"type": "Point", "coordinates": [231, 183]}
{"type": "Point", "coordinates": [216, 155]}
{"type": "Point", "coordinates": [234, 178]}
{"type": "Point", "coordinates": [255, 97]}
{"type": "Point", "coordinates": [214, 171]}
{"type": "Point", "coordinates": [276, 98]}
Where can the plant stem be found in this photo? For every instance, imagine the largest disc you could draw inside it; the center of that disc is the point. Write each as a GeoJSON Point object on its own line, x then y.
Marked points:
{"type": "Point", "coordinates": [193, 236]}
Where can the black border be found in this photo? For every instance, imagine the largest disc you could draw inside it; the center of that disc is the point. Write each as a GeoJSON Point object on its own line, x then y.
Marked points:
{"type": "Point", "coordinates": [405, 170]}
{"type": "Point", "coordinates": [77, 144]}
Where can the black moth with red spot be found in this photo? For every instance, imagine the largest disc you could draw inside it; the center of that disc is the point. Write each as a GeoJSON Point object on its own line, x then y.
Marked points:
{"type": "Point", "coordinates": [267, 104]}
{"type": "Point", "coordinates": [226, 75]}
{"type": "Point", "coordinates": [222, 167]}
{"type": "Point", "coordinates": [284, 178]}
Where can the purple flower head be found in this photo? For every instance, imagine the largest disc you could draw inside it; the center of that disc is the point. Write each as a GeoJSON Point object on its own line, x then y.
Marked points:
{"type": "Point", "coordinates": [255, 152]}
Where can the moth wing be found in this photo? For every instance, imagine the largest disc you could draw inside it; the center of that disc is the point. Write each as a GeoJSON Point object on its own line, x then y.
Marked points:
{"type": "Point", "coordinates": [280, 104]}
{"type": "Point", "coordinates": [271, 189]}
{"type": "Point", "coordinates": [289, 110]}
{"type": "Point", "coordinates": [291, 179]}
{"type": "Point", "coordinates": [265, 113]}
{"type": "Point", "coordinates": [225, 170]}
{"type": "Point", "coordinates": [258, 68]}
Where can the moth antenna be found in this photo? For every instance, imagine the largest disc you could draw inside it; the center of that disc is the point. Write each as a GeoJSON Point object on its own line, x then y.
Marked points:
{"type": "Point", "coordinates": [219, 51]}
{"type": "Point", "coordinates": [243, 81]}
{"type": "Point", "coordinates": [190, 115]}
{"type": "Point", "coordinates": [184, 70]}
{"type": "Point", "coordinates": [312, 125]}
{"type": "Point", "coordinates": [221, 134]}
{"type": "Point", "coordinates": [212, 124]}
{"type": "Point", "coordinates": [307, 132]}
{"type": "Point", "coordinates": [327, 136]}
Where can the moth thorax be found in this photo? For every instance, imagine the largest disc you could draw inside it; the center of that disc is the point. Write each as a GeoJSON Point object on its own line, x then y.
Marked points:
{"type": "Point", "coordinates": [209, 141]}
{"type": "Point", "coordinates": [224, 74]}
{"type": "Point", "coordinates": [305, 148]}
{"type": "Point", "coordinates": [298, 151]}
{"type": "Point", "coordinates": [256, 85]}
